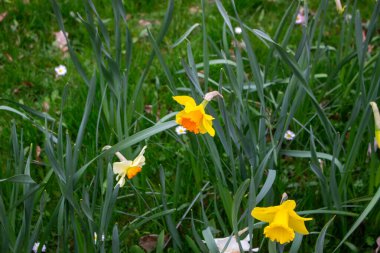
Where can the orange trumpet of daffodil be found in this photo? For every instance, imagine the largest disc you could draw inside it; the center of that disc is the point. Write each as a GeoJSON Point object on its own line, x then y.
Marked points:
{"type": "Point", "coordinates": [283, 221]}
{"type": "Point", "coordinates": [193, 117]}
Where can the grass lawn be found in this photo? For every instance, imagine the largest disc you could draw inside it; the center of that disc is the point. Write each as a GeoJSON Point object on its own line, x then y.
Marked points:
{"type": "Point", "coordinates": [296, 82]}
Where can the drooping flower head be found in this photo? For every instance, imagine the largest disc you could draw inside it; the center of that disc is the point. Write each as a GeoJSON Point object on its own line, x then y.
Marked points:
{"type": "Point", "coordinates": [283, 221]}
{"type": "Point", "coordinates": [127, 168]}
{"type": "Point", "coordinates": [376, 116]}
{"type": "Point", "coordinates": [193, 117]}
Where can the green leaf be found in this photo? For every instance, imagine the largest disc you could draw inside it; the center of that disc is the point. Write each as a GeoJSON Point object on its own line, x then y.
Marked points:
{"type": "Point", "coordinates": [185, 35]}
{"type": "Point", "coordinates": [210, 240]}
{"type": "Point", "coordinates": [115, 239]}
{"type": "Point", "coordinates": [363, 215]}
{"type": "Point", "coordinates": [319, 245]}
{"type": "Point", "coordinates": [267, 186]}
{"type": "Point", "coordinates": [22, 178]}
{"type": "Point", "coordinates": [127, 142]}
{"type": "Point", "coordinates": [160, 242]}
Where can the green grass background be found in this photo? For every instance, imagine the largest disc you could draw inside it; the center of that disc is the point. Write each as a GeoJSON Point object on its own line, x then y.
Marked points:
{"type": "Point", "coordinates": [245, 129]}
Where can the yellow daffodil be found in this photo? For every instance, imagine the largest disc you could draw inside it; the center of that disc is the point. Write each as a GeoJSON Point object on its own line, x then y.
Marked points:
{"type": "Point", "coordinates": [376, 115]}
{"type": "Point", "coordinates": [193, 117]}
{"type": "Point", "coordinates": [283, 221]}
{"type": "Point", "coordinates": [126, 168]}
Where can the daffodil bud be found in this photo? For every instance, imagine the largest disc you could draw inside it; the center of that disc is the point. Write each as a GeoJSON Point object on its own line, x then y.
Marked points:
{"type": "Point", "coordinates": [376, 116]}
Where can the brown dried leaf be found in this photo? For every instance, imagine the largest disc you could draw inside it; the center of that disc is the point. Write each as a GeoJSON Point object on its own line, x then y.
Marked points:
{"type": "Point", "coordinates": [38, 153]}
{"type": "Point", "coordinates": [149, 242]}
{"type": "Point", "coordinates": [8, 56]}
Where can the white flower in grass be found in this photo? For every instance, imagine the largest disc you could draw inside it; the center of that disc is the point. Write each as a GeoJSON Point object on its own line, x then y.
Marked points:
{"type": "Point", "coordinates": [238, 30]}
{"type": "Point", "coordinates": [180, 130]}
{"type": "Point", "coordinates": [36, 246]}
{"type": "Point", "coordinates": [103, 237]}
{"type": "Point", "coordinates": [231, 245]}
{"type": "Point", "coordinates": [300, 17]}
{"type": "Point", "coordinates": [289, 135]}
{"type": "Point", "coordinates": [61, 70]}
{"type": "Point", "coordinates": [95, 237]}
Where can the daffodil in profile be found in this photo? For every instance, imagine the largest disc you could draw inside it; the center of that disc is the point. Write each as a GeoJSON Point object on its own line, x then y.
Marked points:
{"type": "Point", "coordinates": [127, 168]}
{"type": "Point", "coordinates": [283, 221]}
{"type": "Point", "coordinates": [376, 116]}
{"type": "Point", "coordinates": [193, 117]}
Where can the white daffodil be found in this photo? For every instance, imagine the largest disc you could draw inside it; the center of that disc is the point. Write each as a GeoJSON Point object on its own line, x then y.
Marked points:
{"type": "Point", "coordinates": [180, 130]}
{"type": "Point", "coordinates": [127, 168]}
{"type": "Point", "coordinates": [61, 70]}
{"type": "Point", "coordinates": [289, 135]}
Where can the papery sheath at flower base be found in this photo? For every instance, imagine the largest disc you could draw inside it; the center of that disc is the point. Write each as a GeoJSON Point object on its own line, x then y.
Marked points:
{"type": "Point", "coordinates": [283, 221]}
{"type": "Point", "coordinates": [193, 117]}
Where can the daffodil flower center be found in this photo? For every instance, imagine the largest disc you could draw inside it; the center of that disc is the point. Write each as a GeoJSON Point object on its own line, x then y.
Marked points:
{"type": "Point", "coordinates": [279, 230]}
{"type": "Point", "coordinates": [132, 171]}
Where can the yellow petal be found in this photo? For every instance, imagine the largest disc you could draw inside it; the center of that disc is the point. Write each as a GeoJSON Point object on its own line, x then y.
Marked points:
{"type": "Point", "coordinates": [178, 117]}
{"type": "Point", "coordinates": [207, 124]}
{"type": "Point", "coordinates": [297, 223]}
{"type": "Point", "coordinates": [265, 214]}
{"type": "Point", "coordinates": [279, 233]}
{"type": "Point", "coordinates": [377, 136]}
{"type": "Point", "coordinates": [121, 167]}
{"type": "Point", "coordinates": [185, 100]}
{"type": "Point", "coordinates": [289, 204]}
